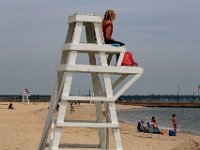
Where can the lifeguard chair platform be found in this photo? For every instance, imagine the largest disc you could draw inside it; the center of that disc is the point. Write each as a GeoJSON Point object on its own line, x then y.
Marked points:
{"type": "Point", "coordinates": [103, 88]}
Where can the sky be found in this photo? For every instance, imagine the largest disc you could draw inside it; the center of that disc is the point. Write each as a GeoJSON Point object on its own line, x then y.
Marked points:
{"type": "Point", "coordinates": [164, 37]}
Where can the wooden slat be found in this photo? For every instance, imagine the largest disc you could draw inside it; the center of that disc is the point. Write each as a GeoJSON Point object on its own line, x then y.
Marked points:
{"type": "Point", "coordinates": [84, 18]}
{"type": "Point", "coordinates": [100, 69]}
{"type": "Point", "coordinates": [86, 98]}
{"type": "Point", "coordinates": [84, 121]}
{"type": "Point", "coordinates": [87, 125]}
{"type": "Point", "coordinates": [119, 80]}
{"type": "Point", "coordinates": [85, 47]}
{"type": "Point", "coordinates": [63, 146]}
{"type": "Point", "coordinates": [127, 85]}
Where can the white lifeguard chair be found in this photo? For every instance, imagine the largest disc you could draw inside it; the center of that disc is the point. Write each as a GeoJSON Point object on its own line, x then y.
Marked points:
{"type": "Point", "coordinates": [94, 48]}
{"type": "Point", "coordinates": [25, 95]}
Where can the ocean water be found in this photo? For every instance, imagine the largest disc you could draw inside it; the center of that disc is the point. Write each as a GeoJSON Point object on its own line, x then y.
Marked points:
{"type": "Point", "coordinates": [188, 119]}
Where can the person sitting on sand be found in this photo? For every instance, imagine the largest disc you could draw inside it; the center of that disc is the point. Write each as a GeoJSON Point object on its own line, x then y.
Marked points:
{"type": "Point", "coordinates": [142, 126]}
{"type": "Point", "coordinates": [154, 125]}
{"type": "Point", "coordinates": [10, 106]}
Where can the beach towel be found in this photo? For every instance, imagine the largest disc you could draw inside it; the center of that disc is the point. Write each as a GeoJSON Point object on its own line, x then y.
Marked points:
{"type": "Point", "coordinates": [163, 131]}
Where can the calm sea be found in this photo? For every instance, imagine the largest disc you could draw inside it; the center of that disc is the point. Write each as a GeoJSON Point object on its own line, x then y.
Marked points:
{"type": "Point", "coordinates": [188, 119]}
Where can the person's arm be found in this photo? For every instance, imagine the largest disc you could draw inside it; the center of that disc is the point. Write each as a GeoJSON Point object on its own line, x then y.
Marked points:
{"type": "Point", "coordinates": [154, 125]}
{"type": "Point", "coordinates": [145, 127]}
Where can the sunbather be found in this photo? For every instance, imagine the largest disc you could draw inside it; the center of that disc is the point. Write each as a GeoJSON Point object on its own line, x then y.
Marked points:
{"type": "Point", "coordinates": [154, 125]}
{"type": "Point", "coordinates": [142, 126]}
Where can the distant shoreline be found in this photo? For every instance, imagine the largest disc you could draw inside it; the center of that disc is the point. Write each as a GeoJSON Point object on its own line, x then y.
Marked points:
{"type": "Point", "coordinates": [143, 104]}
{"type": "Point", "coordinates": [163, 104]}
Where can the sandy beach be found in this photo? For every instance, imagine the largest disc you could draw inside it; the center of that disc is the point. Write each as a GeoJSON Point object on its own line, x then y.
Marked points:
{"type": "Point", "coordinates": [21, 129]}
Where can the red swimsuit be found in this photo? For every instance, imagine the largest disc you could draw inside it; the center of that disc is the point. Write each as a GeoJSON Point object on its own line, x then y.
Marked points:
{"type": "Point", "coordinates": [104, 31]}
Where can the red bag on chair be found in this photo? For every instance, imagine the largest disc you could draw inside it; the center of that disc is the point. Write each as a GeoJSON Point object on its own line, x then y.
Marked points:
{"type": "Point", "coordinates": [128, 60]}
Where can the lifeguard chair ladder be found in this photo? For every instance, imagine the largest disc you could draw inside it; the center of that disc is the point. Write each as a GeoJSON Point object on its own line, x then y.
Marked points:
{"type": "Point", "coordinates": [25, 96]}
{"type": "Point", "coordinates": [61, 93]}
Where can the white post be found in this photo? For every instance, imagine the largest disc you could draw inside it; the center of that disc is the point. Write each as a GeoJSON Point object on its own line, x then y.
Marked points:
{"type": "Point", "coordinates": [25, 95]}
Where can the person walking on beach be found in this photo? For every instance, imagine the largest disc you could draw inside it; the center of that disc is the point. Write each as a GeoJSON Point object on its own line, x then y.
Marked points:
{"type": "Point", "coordinates": [174, 122]}
{"type": "Point", "coordinates": [72, 107]}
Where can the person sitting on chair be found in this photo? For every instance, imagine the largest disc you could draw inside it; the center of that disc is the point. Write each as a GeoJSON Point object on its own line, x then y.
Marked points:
{"type": "Point", "coordinates": [107, 25]}
{"type": "Point", "coordinates": [154, 125]}
{"type": "Point", "coordinates": [107, 28]}
{"type": "Point", "coordinates": [142, 126]}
